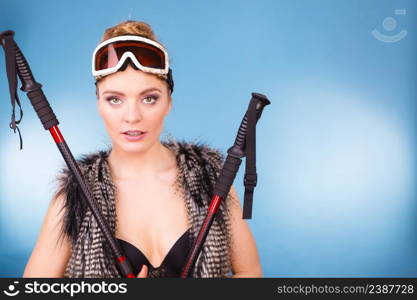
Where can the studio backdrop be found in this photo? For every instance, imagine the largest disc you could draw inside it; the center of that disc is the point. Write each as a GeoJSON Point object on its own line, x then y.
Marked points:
{"type": "Point", "coordinates": [336, 149]}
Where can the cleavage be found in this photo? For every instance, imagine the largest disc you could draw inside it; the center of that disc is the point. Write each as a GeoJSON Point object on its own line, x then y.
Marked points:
{"type": "Point", "coordinates": [170, 250]}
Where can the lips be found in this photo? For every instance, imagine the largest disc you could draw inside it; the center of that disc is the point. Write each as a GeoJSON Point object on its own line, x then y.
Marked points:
{"type": "Point", "coordinates": [134, 132]}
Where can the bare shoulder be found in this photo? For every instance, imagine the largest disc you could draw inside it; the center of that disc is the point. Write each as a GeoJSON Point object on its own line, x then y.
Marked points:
{"type": "Point", "coordinates": [52, 249]}
{"type": "Point", "coordinates": [244, 253]}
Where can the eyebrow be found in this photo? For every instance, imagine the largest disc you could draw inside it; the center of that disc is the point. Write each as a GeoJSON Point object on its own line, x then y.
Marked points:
{"type": "Point", "coordinates": [121, 94]}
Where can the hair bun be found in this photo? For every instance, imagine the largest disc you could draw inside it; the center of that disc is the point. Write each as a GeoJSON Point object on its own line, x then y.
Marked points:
{"type": "Point", "coordinates": [129, 27]}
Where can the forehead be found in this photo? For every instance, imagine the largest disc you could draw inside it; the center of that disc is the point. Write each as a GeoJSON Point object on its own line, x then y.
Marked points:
{"type": "Point", "coordinates": [131, 81]}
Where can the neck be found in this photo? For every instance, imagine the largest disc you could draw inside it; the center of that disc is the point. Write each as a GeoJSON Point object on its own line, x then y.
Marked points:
{"type": "Point", "coordinates": [125, 165]}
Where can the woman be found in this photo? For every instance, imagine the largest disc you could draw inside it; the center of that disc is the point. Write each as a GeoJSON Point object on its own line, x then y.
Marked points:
{"type": "Point", "coordinates": [153, 194]}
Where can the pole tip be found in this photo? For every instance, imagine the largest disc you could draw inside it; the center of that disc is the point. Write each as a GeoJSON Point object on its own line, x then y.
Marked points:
{"type": "Point", "coordinates": [4, 34]}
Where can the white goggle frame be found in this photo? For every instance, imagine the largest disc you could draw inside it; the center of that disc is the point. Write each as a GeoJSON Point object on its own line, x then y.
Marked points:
{"type": "Point", "coordinates": [129, 54]}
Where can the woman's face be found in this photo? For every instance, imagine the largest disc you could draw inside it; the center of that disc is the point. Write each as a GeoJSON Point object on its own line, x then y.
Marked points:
{"type": "Point", "coordinates": [133, 100]}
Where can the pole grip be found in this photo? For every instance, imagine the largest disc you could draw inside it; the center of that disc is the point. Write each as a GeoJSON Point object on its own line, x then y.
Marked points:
{"type": "Point", "coordinates": [42, 108]}
{"type": "Point", "coordinates": [34, 91]}
{"type": "Point", "coordinates": [239, 145]}
{"type": "Point", "coordinates": [227, 176]}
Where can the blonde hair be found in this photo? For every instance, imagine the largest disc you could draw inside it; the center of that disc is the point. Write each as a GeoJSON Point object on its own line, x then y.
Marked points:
{"type": "Point", "coordinates": [131, 27]}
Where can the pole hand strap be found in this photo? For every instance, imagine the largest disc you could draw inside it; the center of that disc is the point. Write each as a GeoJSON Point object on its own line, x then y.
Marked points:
{"type": "Point", "coordinates": [250, 178]}
{"type": "Point", "coordinates": [8, 45]}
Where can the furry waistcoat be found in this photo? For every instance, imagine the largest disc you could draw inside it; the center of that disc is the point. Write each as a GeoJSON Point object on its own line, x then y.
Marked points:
{"type": "Point", "coordinates": [198, 168]}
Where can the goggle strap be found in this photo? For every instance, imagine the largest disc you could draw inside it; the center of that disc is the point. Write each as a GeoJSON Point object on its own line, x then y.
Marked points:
{"type": "Point", "coordinates": [170, 80]}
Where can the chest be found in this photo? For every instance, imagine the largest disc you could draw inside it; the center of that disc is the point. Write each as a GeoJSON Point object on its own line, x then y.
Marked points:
{"type": "Point", "coordinates": [148, 202]}
{"type": "Point", "coordinates": [150, 214]}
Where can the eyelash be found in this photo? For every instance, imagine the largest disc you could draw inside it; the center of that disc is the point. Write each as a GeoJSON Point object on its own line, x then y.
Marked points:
{"type": "Point", "coordinates": [155, 97]}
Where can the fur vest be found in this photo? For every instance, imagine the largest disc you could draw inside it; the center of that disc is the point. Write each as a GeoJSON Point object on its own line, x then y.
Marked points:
{"type": "Point", "coordinates": [198, 168]}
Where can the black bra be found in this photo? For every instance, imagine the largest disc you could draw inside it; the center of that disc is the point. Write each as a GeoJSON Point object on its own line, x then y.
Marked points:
{"type": "Point", "coordinates": [173, 262]}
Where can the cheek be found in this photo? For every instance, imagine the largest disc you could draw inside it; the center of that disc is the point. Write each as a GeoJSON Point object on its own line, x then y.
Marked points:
{"type": "Point", "coordinates": [155, 118]}
{"type": "Point", "coordinates": [111, 117]}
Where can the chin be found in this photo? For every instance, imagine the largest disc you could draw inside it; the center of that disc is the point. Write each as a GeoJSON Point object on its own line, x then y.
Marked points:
{"type": "Point", "coordinates": [133, 147]}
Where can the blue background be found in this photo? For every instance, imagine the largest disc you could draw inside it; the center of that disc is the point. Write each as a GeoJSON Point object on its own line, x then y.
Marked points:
{"type": "Point", "coordinates": [336, 149]}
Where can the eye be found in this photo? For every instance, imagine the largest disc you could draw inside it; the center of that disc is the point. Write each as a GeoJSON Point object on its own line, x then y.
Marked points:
{"type": "Point", "coordinates": [150, 99]}
{"type": "Point", "coordinates": [113, 100]}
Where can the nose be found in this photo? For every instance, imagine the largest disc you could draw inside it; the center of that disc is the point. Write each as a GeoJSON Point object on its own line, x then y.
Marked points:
{"type": "Point", "coordinates": [133, 113]}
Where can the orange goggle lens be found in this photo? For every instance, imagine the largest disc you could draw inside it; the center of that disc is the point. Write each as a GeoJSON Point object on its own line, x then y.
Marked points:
{"type": "Point", "coordinates": [148, 55]}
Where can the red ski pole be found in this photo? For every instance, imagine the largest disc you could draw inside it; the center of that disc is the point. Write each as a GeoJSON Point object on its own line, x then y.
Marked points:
{"type": "Point", "coordinates": [244, 146]}
{"type": "Point", "coordinates": [16, 62]}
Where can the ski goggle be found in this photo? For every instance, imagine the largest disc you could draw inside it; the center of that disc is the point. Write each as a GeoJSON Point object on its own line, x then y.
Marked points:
{"type": "Point", "coordinates": [146, 54]}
